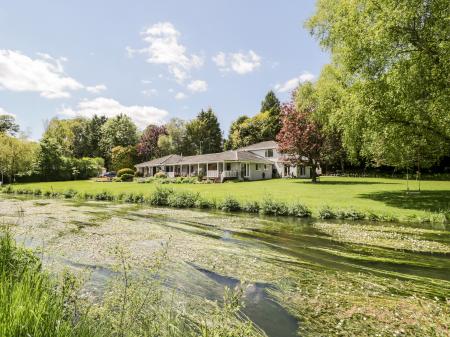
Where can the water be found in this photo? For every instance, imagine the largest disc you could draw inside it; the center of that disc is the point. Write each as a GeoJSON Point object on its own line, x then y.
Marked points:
{"type": "Point", "coordinates": [209, 251]}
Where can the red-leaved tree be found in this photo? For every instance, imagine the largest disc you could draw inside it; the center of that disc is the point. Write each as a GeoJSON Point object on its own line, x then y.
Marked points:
{"type": "Point", "coordinates": [300, 138]}
{"type": "Point", "coordinates": [147, 148]}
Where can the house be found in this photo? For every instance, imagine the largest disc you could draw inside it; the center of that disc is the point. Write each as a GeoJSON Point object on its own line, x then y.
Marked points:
{"type": "Point", "coordinates": [253, 162]}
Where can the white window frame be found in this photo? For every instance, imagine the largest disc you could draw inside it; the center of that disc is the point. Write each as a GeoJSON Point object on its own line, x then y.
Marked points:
{"type": "Point", "coordinates": [266, 153]}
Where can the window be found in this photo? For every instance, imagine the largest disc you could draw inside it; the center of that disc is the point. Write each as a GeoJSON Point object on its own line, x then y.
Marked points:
{"type": "Point", "coordinates": [228, 168]}
{"type": "Point", "coordinates": [302, 170]}
{"type": "Point", "coordinates": [257, 167]}
{"type": "Point", "coordinates": [269, 153]}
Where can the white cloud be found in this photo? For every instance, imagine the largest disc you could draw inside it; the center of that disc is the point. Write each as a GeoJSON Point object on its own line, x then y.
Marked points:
{"type": "Point", "coordinates": [146, 81]}
{"type": "Point", "coordinates": [95, 89]}
{"type": "Point", "coordinates": [4, 112]}
{"type": "Point", "coordinates": [241, 63]}
{"type": "Point", "coordinates": [141, 115]}
{"type": "Point", "coordinates": [165, 48]}
{"type": "Point", "coordinates": [44, 75]}
{"type": "Point", "coordinates": [293, 83]}
{"type": "Point", "coordinates": [198, 86]}
{"type": "Point", "coordinates": [180, 95]}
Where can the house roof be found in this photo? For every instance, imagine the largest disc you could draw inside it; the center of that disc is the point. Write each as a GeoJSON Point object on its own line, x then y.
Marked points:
{"type": "Point", "coordinates": [269, 144]}
{"type": "Point", "coordinates": [170, 159]}
{"type": "Point", "coordinates": [234, 155]}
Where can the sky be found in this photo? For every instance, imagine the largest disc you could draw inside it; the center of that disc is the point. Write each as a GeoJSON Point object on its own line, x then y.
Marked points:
{"type": "Point", "coordinates": [152, 60]}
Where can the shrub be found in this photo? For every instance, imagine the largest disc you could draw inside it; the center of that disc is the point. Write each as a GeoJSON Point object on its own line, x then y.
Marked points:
{"type": "Point", "coordinates": [326, 212]}
{"type": "Point", "coordinates": [123, 171]}
{"type": "Point", "coordinates": [8, 189]}
{"type": "Point", "coordinates": [230, 204]}
{"type": "Point", "coordinates": [138, 174]}
{"type": "Point", "coordinates": [272, 207]}
{"type": "Point", "coordinates": [103, 196]}
{"type": "Point", "coordinates": [299, 210]}
{"type": "Point", "coordinates": [127, 177]}
{"type": "Point", "coordinates": [350, 214]}
{"type": "Point", "coordinates": [132, 198]}
{"type": "Point", "coordinates": [251, 207]}
{"type": "Point", "coordinates": [160, 195]}
{"type": "Point", "coordinates": [69, 194]}
{"type": "Point", "coordinates": [182, 199]}
{"type": "Point", "coordinates": [204, 203]}
{"type": "Point", "coordinates": [160, 175]}
{"type": "Point", "coordinates": [37, 191]}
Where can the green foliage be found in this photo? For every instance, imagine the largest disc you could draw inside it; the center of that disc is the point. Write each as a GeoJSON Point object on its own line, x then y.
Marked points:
{"type": "Point", "coordinates": [203, 134]}
{"type": "Point", "coordinates": [269, 206]}
{"type": "Point", "coordinates": [229, 204]}
{"type": "Point", "coordinates": [127, 177]}
{"type": "Point", "coordinates": [160, 196]}
{"type": "Point", "coordinates": [174, 141]}
{"type": "Point", "coordinates": [299, 210]}
{"type": "Point", "coordinates": [326, 212]}
{"type": "Point", "coordinates": [390, 78]}
{"type": "Point", "coordinates": [123, 157]}
{"type": "Point", "coordinates": [251, 207]}
{"type": "Point", "coordinates": [117, 131]}
{"type": "Point", "coordinates": [350, 214]}
{"type": "Point", "coordinates": [125, 171]}
{"type": "Point", "coordinates": [183, 199]}
{"type": "Point", "coordinates": [160, 174]}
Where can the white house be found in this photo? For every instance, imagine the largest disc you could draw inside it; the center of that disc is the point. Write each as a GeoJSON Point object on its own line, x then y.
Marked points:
{"type": "Point", "coordinates": [253, 162]}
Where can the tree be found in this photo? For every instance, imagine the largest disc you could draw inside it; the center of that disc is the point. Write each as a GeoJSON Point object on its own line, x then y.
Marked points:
{"type": "Point", "coordinates": [147, 148]}
{"type": "Point", "coordinates": [8, 125]}
{"type": "Point", "coordinates": [65, 132]}
{"type": "Point", "coordinates": [50, 160]}
{"type": "Point", "coordinates": [16, 156]}
{"type": "Point", "coordinates": [174, 140]}
{"type": "Point", "coordinates": [203, 134]}
{"type": "Point", "coordinates": [392, 60]}
{"type": "Point", "coordinates": [123, 157]}
{"type": "Point", "coordinates": [117, 131]}
{"type": "Point", "coordinates": [300, 137]}
{"type": "Point", "coordinates": [87, 138]}
{"type": "Point", "coordinates": [271, 105]}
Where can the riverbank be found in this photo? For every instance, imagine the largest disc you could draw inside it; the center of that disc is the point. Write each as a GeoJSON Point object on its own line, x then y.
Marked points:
{"type": "Point", "coordinates": [335, 278]}
{"type": "Point", "coordinates": [374, 199]}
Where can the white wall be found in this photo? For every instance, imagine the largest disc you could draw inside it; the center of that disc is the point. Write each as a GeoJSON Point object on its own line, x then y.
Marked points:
{"type": "Point", "coordinates": [258, 174]}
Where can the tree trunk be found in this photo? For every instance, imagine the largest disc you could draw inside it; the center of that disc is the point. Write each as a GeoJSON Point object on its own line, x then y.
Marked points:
{"type": "Point", "coordinates": [313, 172]}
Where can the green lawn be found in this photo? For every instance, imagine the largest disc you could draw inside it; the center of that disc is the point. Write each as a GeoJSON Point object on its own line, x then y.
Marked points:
{"type": "Point", "coordinates": [383, 196]}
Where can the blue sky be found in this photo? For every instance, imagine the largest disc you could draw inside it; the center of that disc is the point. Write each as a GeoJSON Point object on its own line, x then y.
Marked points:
{"type": "Point", "coordinates": [152, 60]}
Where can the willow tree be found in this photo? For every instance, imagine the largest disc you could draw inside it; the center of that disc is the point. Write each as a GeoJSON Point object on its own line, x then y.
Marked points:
{"type": "Point", "coordinates": [393, 66]}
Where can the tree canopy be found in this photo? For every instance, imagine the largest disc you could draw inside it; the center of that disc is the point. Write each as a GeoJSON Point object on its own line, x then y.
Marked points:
{"type": "Point", "coordinates": [391, 67]}
{"type": "Point", "coordinates": [203, 134]}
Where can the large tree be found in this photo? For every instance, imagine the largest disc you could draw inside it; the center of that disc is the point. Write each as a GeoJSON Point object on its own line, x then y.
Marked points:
{"type": "Point", "coordinates": [87, 138]}
{"type": "Point", "coordinates": [147, 147]}
{"type": "Point", "coordinates": [65, 132]}
{"type": "Point", "coordinates": [391, 58]}
{"type": "Point", "coordinates": [301, 138]}
{"type": "Point", "coordinates": [203, 134]}
{"type": "Point", "coordinates": [271, 105]}
{"type": "Point", "coordinates": [123, 157]}
{"type": "Point", "coordinates": [174, 141]}
{"type": "Point", "coordinates": [117, 131]}
{"type": "Point", "coordinates": [16, 156]}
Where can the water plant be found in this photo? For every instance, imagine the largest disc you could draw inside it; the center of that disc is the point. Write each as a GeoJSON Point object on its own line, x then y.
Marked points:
{"type": "Point", "coordinates": [229, 204]}
{"type": "Point", "coordinates": [299, 210]}
{"type": "Point", "coordinates": [269, 206]}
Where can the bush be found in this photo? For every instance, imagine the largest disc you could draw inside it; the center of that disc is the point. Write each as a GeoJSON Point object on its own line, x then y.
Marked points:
{"type": "Point", "coordinates": [272, 207]}
{"type": "Point", "coordinates": [123, 171]}
{"type": "Point", "coordinates": [69, 194]}
{"type": "Point", "coordinates": [204, 203]}
{"type": "Point", "coordinates": [182, 199]}
{"type": "Point", "coordinates": [251, 207]}
{"type": "Point", "coordinates": [299, 210]}
{"type": "Point", "coordinates": [326, 212]}
{"type": "Point", "coordinates": [138, 174]}
{"type": "Point", "coordinates": [103, 196]}
{"type": "Point", "coordinates": [230, 204]}
{"type": "Point", "coordinates": [350, 214]}
{"type": "Point", "coordinates": [160, 196]}
{"type": "Point", "coordinates": [127, 177]}
{"type": "Point", "coordinates": [160, 175]}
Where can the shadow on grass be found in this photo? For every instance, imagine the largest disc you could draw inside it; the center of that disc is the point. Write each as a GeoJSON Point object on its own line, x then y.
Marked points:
{"type": "Point", "coordinates": [425, 200]}
{"type": "Point", "coordinates": [338, 182]}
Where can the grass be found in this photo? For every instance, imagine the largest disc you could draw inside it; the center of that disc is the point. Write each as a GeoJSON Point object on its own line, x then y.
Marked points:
{"type": "Point", "coordinates": [33, 303]}
{"type": "Point", "coordinates": [381, 196]}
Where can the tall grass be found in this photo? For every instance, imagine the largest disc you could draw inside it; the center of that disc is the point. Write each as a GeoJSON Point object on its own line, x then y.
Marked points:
{"type": "Point", "coordinates": [33, 303]}
{"type": "Point", "coordinates": [167, 196]}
